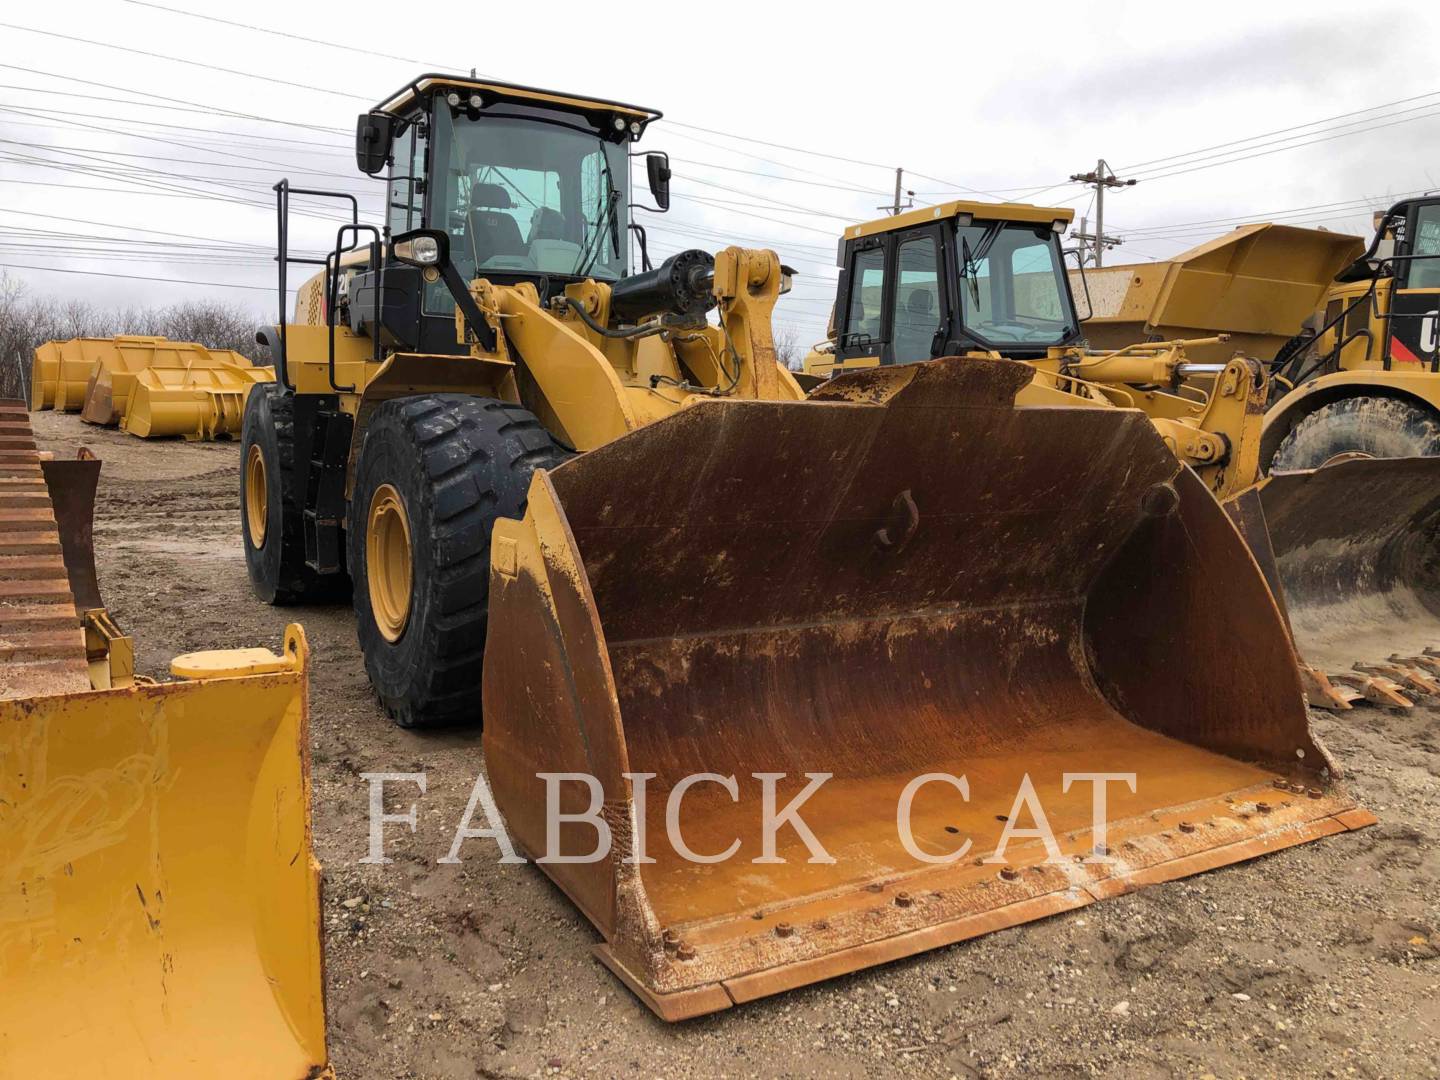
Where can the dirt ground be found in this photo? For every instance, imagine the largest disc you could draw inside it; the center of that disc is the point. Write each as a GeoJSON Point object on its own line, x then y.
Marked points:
{"type": "Point", "coordinates": [1322, 960]}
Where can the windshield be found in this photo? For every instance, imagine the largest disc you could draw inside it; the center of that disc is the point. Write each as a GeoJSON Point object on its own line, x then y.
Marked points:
{"type": "Point", "coordinates": [1012, 284]}
{"type": "Point", "coordinates": [530, 196]}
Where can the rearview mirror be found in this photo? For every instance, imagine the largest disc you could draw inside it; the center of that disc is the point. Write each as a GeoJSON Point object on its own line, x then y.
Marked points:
{"type": "Point", "coordinates": [374, 133]}
{"type": "Point", "coordinates": [657, 169]}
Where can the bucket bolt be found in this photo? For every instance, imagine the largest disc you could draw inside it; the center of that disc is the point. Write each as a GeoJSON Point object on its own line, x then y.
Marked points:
{"type": "Point", "coordinates": [1009, 873]}
{"type": "Point", "coordinates": [903, 899]}
{"type": "Point", "coordinates": [783, 929]}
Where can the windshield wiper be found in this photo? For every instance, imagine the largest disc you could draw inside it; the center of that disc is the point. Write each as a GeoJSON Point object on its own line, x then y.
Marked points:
{"type": "Point", "coordinates": [592, 251]}
{"type": "Point", "coordinates": [606, 221]}
{"type": "Point", "coordinates": [970, 263]}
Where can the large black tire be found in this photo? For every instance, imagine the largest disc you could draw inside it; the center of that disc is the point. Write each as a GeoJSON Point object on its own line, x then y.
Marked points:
{"type": "Point", "coordinates": [276, 564]}
{"type": "Point", "coordinates": [457, 463]}
{"type": "Point", "coordinates": [1377, 427]}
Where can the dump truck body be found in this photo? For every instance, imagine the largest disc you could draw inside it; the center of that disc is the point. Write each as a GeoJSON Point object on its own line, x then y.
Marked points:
{"type": "Point", "coordinates": [1038, 613]}
{"type": "Point", "coordinates": [159, 903]}
{"type": "Point", "coordinates": [150, 386]}
{"type": "Point", "coordinates": [1255, 284]}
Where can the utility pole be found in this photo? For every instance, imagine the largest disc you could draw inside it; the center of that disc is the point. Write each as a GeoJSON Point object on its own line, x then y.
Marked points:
{"type": "Point", "coordinates": [895, 208]}
{"type": "Point", "coordinates": [1100, 178]}
{"type": "Point", "coordinates": [1088, 240]}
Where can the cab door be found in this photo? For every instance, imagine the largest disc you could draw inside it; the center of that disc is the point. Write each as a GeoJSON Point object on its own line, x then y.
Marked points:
{"type": "Point", "coordinates": [917, 311]}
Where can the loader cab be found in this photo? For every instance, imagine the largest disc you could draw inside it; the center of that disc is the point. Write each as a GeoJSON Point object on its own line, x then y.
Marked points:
{"type": "Point", "coordinates": [957, 278]}
{"type": "Point", "coordinates": [529, 186]}
{"type": "Point", "coordinates": [1384, 310]}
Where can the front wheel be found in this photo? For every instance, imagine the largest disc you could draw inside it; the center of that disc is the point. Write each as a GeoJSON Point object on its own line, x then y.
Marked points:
{"type": "Point", "coordinates": [1359, 427]}
{"type": "Point", "coordinates": [434, 474]}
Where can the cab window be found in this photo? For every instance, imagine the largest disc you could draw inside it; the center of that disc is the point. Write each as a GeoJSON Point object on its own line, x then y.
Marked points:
{"type": "Point", "coordinates": [1425, 272]}
{"type": "Point", "coordinates": [917, 309]}
{"type": "Point", "coordinates": [405, 195]}
{"type": "Point", "coordinates": [867, 295]}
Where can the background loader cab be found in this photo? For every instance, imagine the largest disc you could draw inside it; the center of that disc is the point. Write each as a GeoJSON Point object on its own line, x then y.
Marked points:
{"type": "Point", "coordinates": [949, 280]}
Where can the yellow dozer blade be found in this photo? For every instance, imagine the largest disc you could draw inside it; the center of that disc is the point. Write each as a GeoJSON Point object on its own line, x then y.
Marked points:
{"type": "Point", "coordinates": [1355, 546]}
{"type": "Point", "coordinates": [159, 903]}
{"type": "Point", "coordinates": [904, 575]}
{"type": "Point", "coordinates": [150, 386]}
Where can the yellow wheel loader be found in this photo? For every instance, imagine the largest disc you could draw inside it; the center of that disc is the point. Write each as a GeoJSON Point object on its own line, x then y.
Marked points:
{"type": "Point", "coordinates": [1350, 338]}
{"type": "Point", "coordinates": [590, 504]}
{"type": "Point", "coordinates": [159, 903]}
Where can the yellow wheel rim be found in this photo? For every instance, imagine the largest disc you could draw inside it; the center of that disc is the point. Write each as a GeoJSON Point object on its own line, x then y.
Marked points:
{"type": "Point", "coordinates": [387, 561]}
{"type": "Point", "coordinates": [257, 497]}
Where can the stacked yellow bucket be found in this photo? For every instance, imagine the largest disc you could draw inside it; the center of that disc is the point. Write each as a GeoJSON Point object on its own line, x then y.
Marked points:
{"type": "Point", "coordinates": [149, 386]}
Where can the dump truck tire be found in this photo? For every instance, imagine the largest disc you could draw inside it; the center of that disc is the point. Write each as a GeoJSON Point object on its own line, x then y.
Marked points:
{"type": "Point", "coordinates": [434, 474]}
{"type": "Point", "coordinates": [271, 510]}
{"type": "Point", "coordinates": [1372, 427]}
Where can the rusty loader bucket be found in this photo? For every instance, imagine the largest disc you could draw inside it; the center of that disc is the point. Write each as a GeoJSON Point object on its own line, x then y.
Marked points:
{"type": "Point", "coordinates": [904, 575]}
{"type": "Point", "coordinates": [1357, 547]}
{"type": "Point", "coordinates": [159, 904]}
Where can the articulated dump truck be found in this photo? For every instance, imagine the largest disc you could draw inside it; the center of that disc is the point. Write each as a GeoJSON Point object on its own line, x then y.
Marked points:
{"type": "Point", "coordinates": [159, 904]}
{"type": "Point", "coordinates": [591, 506]}
{"type": "Point", "coordinates": [1350, 339]}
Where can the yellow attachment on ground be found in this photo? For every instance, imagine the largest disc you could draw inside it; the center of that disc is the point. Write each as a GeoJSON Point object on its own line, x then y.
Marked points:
{"type": "Point", "coordinates": [149, 386]}
{"type": "Point", "coordinates": [904, 575]}
{"type": "Point", "coordinates": [1256, 283]}
{"type": "Point", "coordinates": [159, 904]}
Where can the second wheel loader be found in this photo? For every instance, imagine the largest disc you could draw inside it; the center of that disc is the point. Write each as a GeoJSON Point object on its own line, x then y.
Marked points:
{"type": "Point", "coordinates": [590, 505]}
{"type": "Point", "coordinates": [1349, 334]}
{"type": "Point", "coordinates": [1348, 548]}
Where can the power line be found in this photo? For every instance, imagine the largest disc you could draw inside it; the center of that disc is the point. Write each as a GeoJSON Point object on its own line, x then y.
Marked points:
{"type": "Point", "coordinates": [181, 60]}
{"type": "Point", "coordinates": [137, 277]}
{"type": "Point", "coordinates": [1281, 131]}
{"type": "Point", "coordinates": [218, 110]}
{"type": "Point", "coordinates": [282, 34]}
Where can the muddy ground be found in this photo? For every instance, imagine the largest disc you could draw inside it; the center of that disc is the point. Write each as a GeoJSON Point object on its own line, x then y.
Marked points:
{"type": "Point", "coordinates": [1322, 960]}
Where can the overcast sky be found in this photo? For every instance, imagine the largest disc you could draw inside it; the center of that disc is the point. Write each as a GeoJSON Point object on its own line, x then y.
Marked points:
{"type": "Point", "coordinates": [1003, 99]}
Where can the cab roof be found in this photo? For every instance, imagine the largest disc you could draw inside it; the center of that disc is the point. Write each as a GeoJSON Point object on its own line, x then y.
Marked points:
{"type": "Point", "coordinates": [981, 211]}
{"type": "Point", "coordinates": [424, 84]}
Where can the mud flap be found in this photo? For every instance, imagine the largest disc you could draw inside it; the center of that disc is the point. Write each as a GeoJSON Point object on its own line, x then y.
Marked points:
{"type": "Point", "coordinates": [1357, 544]}
{"type": "Point", "coordinates": [159, 904]}
{"type": "Point", "coordinates": [908, 576]}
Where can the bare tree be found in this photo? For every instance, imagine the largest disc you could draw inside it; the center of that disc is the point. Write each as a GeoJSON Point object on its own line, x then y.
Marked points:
{"type": "Point", "coordinates": [789, 349]}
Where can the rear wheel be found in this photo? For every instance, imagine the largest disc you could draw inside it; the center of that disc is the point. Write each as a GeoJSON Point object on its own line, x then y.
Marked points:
{"type": "Point", "coordinates": [1369, 427]}
{"type": "Point", "coordinates": [434, 474]}
{"type": "Point", "coordinates": [271, 511]}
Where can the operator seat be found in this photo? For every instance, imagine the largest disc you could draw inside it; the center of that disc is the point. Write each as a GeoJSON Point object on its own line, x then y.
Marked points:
{"type": "Point", "coordinates": [492, 233]}
{"type": "Point", "coordinates": [915, 327]}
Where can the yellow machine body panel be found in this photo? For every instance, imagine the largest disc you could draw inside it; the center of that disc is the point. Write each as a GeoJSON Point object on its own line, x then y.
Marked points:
{"type": "Point", "coordinates": [829, 589]}
{"type": "Point", "coordinates": [1255, 284]}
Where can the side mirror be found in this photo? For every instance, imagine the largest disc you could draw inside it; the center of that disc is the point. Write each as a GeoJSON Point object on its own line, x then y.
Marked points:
{"type": "Point", "coordinates": [374, 133]}
{"type": "Point", "coordinates": [657, 169]}
{"type": "Point", "coordinates": [422, 248]}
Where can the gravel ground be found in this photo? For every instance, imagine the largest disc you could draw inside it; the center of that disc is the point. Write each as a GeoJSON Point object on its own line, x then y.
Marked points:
{"type": "Point", "coordinates": [1319, 960]}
